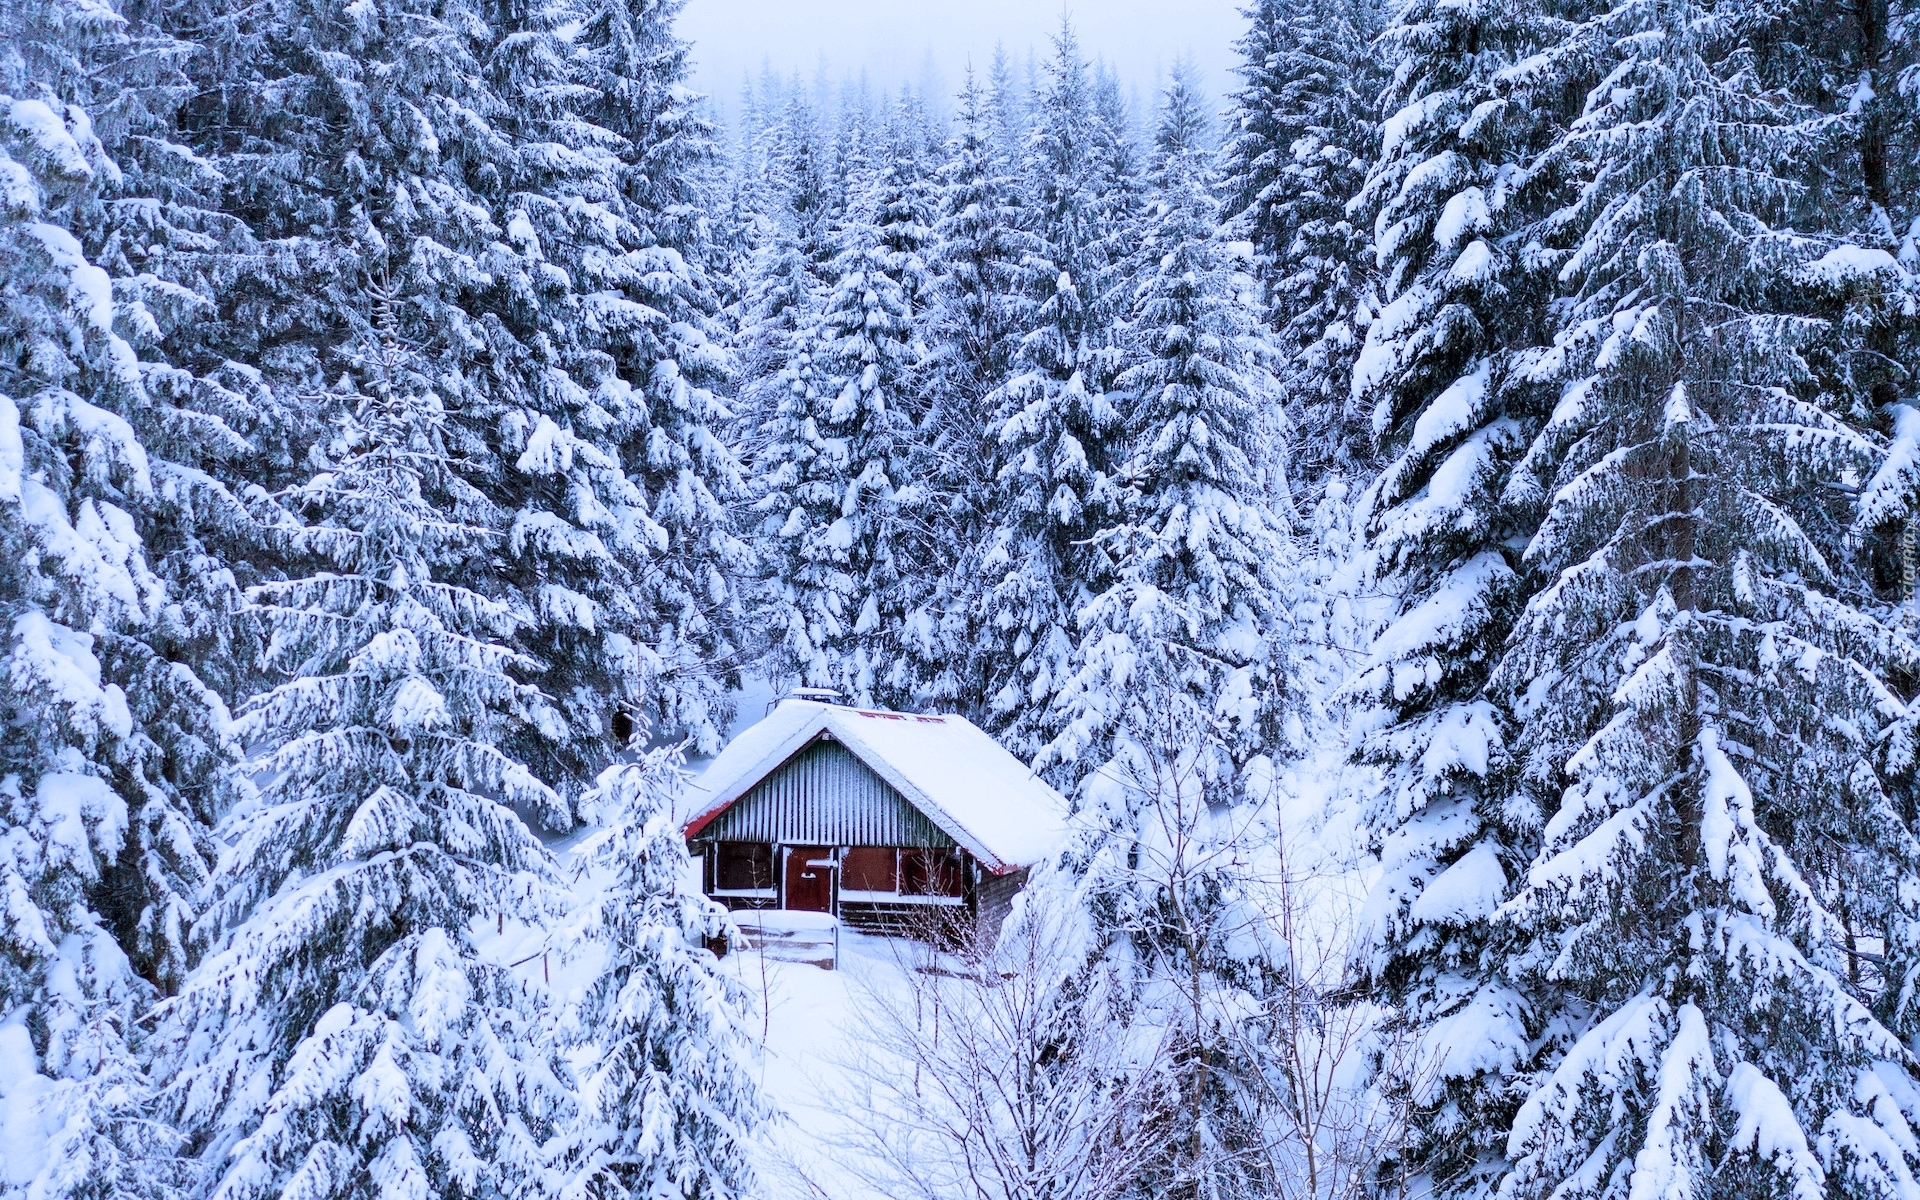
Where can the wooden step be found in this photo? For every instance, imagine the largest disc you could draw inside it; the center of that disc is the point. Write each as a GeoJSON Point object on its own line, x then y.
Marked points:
{"type": "Point", "coordinates": [788, 936]}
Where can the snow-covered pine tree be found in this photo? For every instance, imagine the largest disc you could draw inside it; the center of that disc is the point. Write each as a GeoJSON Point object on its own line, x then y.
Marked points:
{"type": "Point", "coordinates": [101, 857]}
{"type": "Point", "coordinates": [355, 144]}
{"type": "Point", "coordinates": [976, 310]}
{"type": "Point", "coordinates": [788, 268]}
{"type": "Point", "coordinates": [903, 202]}
{"type": "Point", "coordinates": [836, 497]}
{"type": "Point", "coordinates": [206, 423]}
{"type": "Point", "coordinates": [668, 1103]}
{"type": "Point", "coordinates": [1303, 133]}
{"type": "Point", "coordinates": [1175, 716]}
{"type": "Point", "coordinates": [343, 1038]}
{"type": "Point", "coordinates": [1863, 193]}
{"type": "Point", "coordinates": [1121, 188]}
{"type": "Point", "coordinates": [1008, 108]}
{"type": "Point", "coordinates": [615, 478]}
{"type": "Point", "coordinates": [969, 331]}
{"type": "Point", "coordinates": [1193, 609]}
{"type": "Point", "coordinates": [1444, 374]}
{"type": "Point", "coordinates": [1703, 718]}
{"type": "Point", "coordinates": [690, 474]}
{"type": "Point", "coordinates": [1053, 424]}
{"type": "Point", "coordinates": [1258, 146]}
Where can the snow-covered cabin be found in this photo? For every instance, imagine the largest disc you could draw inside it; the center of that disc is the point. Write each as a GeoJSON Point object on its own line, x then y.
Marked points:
{"type": "Point", "coordinates": [884, 819]}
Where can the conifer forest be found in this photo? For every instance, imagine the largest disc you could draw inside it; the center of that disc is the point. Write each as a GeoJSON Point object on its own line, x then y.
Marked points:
{"type": "Point", "coordinates": [1442, 514]}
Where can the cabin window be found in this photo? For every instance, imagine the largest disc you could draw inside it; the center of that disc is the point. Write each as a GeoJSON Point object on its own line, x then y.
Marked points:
{"type": "Point", "coordinates": [743, 866]}
{"type": "Point", "coordinates": [931, 873]}
{"type": "Point", "coordinates": [869, 869]}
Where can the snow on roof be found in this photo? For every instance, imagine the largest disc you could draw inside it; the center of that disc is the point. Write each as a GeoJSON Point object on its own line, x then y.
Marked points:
{"type": "Point", "coordinates": [965, 782]}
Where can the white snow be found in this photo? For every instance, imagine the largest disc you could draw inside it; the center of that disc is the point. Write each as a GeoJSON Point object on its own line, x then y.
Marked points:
{"type": "Point", "coordinates": [1769, 1128]}
{"type": "Point", "coordinates": [29, 1114]}
{"type": "Point", "coordinates": [1452, 410]}
{"type": "Point", "coordinates": [985, 798]}
{"type": "Point", "coordinates": [810, 1052]}
{"type": "Point", "coordinates": [1485, 1034]}
{"type": "Point", "coordinates": [1394, 130]}
{"type": "Point", "coordinates": [1435, 622]}
{"type": "Point", "coordinates": [549, 450]}
{"type": "Point", "coordinates": [1474, 265]}
{"type": "Point", "coordinates": [1884, 496]}
{"type": "Point", "coordinates": [1466, 891]}
{"type": "Point", "coordinates": [1465, 212]}
{"type": "Point", "coordinates": [12, 451]}
{"type": "Point", "coordinates": [1846, 263]}
{"type": "Point", "coordinates": [49, 135]}
{"type": "Point", "coordinates": [784, 919]}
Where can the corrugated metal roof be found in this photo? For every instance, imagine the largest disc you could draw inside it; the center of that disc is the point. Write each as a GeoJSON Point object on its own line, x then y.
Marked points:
{"type": "Point", "coordinates": [824, 796]}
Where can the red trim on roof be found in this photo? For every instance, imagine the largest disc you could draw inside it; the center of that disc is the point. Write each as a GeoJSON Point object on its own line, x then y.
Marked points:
{"type": "Point", "coordinates": [692, 828]}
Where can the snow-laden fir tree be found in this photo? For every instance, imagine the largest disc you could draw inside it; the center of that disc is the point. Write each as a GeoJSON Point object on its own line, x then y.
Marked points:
{"type": "Point", "coordinates": [346, 137]}
{"type": "Point", "coordinates": [1174, 718]}
{"type": "Point", "coordinates": [210, 430]}
{"type": "Point", "coordinates": [365, 147]}
{"type": "Point", "coordinates": [969, 329]}
{"type": "Point", "coordinates": [343, 1037]}
{"type": "Point", "coordinates": [687, 468]}
{"type": "Point", "coordinates": [668, 1100]}
{"type": "Point", "coordinates": [1257, 148]}
{"type": "Point", "coordinates": [1008, 107]}
{"type": "Point", "coordinates": [1193, 606]}
{"type": "Point", "coordinates": [1120, 187]}
{"type": "Point", "coordinates": [902, 200]}
{"type": "Point", "coordinates": [788, 269]}
{"type": "Point", "coordinates": [1443, 378]}
{"type": "Point", "coordinates": [974, 316]}
{"type": "Point", "coordinates": [1703, 716]}
{"type": "Point", "coordinates": [1053, 424]}
{"type": "Point", "coordinates": [101, 858]}
{"type": "Point", "coordinates": [615, 479]}
{"type": "Point", "coordinates": [1303, 133]}
{"type": "Point", "coordinates": [835, 498]}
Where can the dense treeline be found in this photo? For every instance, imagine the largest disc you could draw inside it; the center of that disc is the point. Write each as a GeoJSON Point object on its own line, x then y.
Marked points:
{"type": "Point", "coordinates": [407, 407]}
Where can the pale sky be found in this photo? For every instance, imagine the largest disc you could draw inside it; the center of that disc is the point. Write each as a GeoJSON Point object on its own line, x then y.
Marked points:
{"type": "Point", "coordinates": [909, 41]}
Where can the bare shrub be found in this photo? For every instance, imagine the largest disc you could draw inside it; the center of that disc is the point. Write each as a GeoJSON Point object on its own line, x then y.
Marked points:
{"type": "Point", "coordinates": [973, 1084]}
{"type": "Point", "coordinates": [1031, 1068]}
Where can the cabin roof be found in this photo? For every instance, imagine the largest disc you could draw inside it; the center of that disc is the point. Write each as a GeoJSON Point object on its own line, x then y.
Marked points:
{"type": "Point", "coordinates": [965, 782]}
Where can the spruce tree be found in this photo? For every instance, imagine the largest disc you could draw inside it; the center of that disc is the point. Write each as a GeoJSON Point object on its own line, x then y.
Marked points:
{"type": "Point", "coordinates": [1303, 131]}
{"type": "Point", "coordinates": [835, 465]}
{"type": "Point", "coordinates": [1174, 719]}
{"type": "Point", "coordinates": [1617, 509]}
{"type": "Point", "coordinates": [1053, 423]}
{"type": "Point", "coordinates": [669, 1104]}
{"type": "Point", "coordinates": [787, 271]}
{"type": "Point", "coordinates": [970, 328]}
{"type": "Point", "coordinates": [615, 489]}
{"type": "Point", "coordinates": [1193, 613]}
{"type": "Point", "coordinates": [100, 856]}
{"type": "Point", "coordinates": [1703, 714]}
{"type": "Point", "coordinates": [343, 1036]}
{"type": "Point", "coordinates": [1258, 146]}
{"type": "Point", "coordinates": [1445, 377]}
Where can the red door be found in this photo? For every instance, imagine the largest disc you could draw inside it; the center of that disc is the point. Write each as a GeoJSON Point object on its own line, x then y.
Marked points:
{"type": "Point", "coordinates": [809, 878]}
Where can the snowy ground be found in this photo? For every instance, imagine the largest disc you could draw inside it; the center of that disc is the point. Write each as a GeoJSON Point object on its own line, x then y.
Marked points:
{"type": "Point", "coordinates": [808, 1030]}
